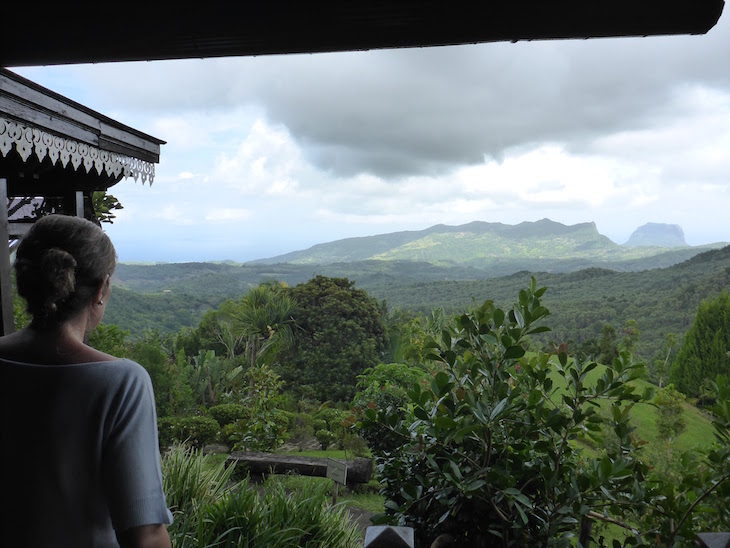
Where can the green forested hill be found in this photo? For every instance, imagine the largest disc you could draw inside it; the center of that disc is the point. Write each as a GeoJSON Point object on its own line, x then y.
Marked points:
{"type": "Point", "coordinates": [496, 248]}
{"type": "Point", "coordinates": [662, 300]}
{"type": "Point", "coordinates": [165, 312]}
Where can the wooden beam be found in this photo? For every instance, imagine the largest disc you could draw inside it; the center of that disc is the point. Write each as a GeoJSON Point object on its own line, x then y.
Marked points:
{"type": "Point", "coordinates": [18, 229]}
{"type": "Point", "coordinates": [359, 470]}
{"type": "Point", "coordinates": [79, 204]}
{"type": "Point", "coordinates": [7, 319]}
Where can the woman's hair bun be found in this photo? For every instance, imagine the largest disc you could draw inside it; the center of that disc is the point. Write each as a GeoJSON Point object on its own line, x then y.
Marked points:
{"type": "Point", "coordinates": [59, 268]}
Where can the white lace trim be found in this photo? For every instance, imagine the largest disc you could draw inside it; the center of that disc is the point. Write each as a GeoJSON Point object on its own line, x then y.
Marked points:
{"type": "Point", "coordinates": [28, 139]}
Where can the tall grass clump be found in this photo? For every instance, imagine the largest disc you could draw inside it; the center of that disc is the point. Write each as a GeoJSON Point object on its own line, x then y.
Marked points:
{"type": "Point", "coordinates": [190, 480]}
{"type": "Point", "coordinates": [211, 511]}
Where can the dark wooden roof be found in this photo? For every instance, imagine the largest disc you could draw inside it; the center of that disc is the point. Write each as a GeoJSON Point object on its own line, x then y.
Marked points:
{"type": "Point", "coordinates": [26, 101]}
{"type": "Point", "coordinates": [51, 127]}
{"type": "Point", "coordinates": [58, 33]}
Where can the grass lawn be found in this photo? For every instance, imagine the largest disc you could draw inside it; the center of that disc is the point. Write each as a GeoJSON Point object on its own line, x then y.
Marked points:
{"type": "Point", "coordinates": [365, 497]}
{"type": "Point", "coordinates": [698, 433]}
{"type": "Point", "coordinates": [362, 496]}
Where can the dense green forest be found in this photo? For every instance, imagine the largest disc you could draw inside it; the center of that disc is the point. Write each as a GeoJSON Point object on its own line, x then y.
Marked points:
{"type": "Point", "coordinates": [661, 301]}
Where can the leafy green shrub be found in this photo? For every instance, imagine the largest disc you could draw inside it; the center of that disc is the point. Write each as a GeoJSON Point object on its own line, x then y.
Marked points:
{"type": "Point", "coordinates": [332, 416]}
{"type": "Point", "coordinates": [303, 420]}
{"type": "Point", "coordinates": [325, 438]}
{"type": "Point", "coordinates": [487, 456]}
{"type": "Point", "coordinates": [197, 431]}
{"type": "Point", "coordinates": [303, 430]}
{"type": "Point", "coordinates": [258, 433]}
{"type": "Point", "coordinates": [353, 444]}
{"type": "Point", "coordinates": [166, 430]}
{"type": "Point", "coordinates": [290, 418]}
{"type": "Point", "coordinates": [229, 434]}
{"type": "Point", "coordinates": [489, 453]}
{"type": "Point", "coordinates": [386, 387]}
{"type": "Point", "coordinates": [228, 413]}
{"type": "Point", "coordinates": [265, 425]}
{"type": "Point", "coordinates": [670, 421]}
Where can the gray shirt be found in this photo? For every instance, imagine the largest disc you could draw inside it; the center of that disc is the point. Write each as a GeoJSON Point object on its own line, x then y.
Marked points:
{"type": "Point", "coordinates": [79, 455]}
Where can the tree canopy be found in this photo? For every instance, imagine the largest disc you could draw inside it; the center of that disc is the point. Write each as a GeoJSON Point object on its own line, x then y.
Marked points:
{"type": "Point", "coordinates": [339, 335]}
{"type": "Point", "coordinates": [704, 353]}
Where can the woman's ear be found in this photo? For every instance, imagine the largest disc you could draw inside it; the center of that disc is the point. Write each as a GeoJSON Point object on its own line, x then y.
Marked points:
{"type": "Point", "coordinates": [99, 295]}
{"type": "Point", "coordinates": [103, 292]}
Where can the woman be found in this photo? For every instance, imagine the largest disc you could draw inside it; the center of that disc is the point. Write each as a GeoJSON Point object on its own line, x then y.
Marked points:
{"type": "Point", "coordinates": [79, 456]}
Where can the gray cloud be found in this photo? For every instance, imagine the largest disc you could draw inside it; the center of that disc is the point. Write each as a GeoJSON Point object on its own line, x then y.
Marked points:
{"type": "Point", "coordinates": [426, 111]}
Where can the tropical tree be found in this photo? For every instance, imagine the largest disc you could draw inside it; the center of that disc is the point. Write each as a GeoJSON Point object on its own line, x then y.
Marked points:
{"type": "Point", "coordinates": [224, 328]}
{"type": "Point", "coordinates": [631, 333]}
{"type": "Point", "coordinates": [607, 344]}
{"type": "Point", "coordinates": [264, 317]}
{"type": "Point", "coordinates": [170, 393]}
{"type": "Point", "coordinates": [339, 335]}
{"type": "Point", "coordinates": [110, 339]}
{"type": "Point", "coordinates": [209, 334]}
{"type": "Point", "coordinates": [704, 353]}
{"type": "Point", "coordinates": [661, 363]}
{"type": "Point", "coordinates": [209, 376]}
{"type": "Point", "coordinates": [670, 421]}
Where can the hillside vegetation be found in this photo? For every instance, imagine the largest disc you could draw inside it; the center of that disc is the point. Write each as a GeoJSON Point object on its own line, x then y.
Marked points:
{"type": "Point", "coordinates": [662, 300]}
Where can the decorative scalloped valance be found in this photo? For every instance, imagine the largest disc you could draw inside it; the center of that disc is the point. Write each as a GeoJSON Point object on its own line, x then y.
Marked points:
{"type": "Point", "coordinates": [28, 139]}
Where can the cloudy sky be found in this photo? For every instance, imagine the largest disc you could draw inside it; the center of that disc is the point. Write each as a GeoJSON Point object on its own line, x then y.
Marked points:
{"type": "Point", "coordinates": [267, 155]}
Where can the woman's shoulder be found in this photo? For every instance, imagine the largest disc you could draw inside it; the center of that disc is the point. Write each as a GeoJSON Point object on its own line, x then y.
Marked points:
{"type": "Point", "coordinates": [122, 377]}
{"type": "Point", "coordinates": [121, 367]}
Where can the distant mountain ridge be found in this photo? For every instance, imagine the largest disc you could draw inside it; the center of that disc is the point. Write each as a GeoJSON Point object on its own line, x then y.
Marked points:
{"type": "Point", "coordinates": [482, 244]}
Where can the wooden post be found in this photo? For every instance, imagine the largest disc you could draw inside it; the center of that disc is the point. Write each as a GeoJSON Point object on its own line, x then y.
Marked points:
{"type": "Point", "coordinates": [80, 204]}
{"type": "Point", "coordinates": [7, 320]}
{"type": "Point", "coordinates": [337, 472]}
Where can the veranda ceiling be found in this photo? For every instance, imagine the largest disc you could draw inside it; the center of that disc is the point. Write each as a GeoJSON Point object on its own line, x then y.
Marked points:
{"type": "Point", "coordinates": [60, 33]}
